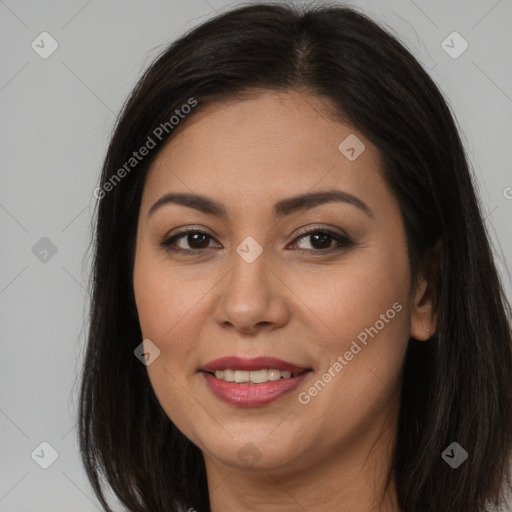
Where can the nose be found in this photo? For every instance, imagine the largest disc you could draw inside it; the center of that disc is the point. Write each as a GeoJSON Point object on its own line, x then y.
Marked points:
{"type": "Point", "coordinates": [253, 297]}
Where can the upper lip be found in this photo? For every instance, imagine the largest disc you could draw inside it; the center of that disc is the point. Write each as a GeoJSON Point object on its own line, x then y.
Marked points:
{"type": "Point", "coordinates": [255, 363]}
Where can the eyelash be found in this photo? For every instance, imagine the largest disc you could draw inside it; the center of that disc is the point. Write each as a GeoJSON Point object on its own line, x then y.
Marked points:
{"type": "Point", "coordinates": [343, 241]}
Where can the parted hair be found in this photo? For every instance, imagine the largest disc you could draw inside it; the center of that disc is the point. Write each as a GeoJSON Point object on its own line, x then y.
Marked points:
{"type": "Point", "coordinates": [457, 386]}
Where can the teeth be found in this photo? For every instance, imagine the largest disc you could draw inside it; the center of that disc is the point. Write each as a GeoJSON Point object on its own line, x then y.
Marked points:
{"type": "Point", "coordinates": [274, 374]}
{"type": "Point", "coordinates": [241, 376]}
{"type": "Point", "coordinates": [253, 377]}
{"type": "Point", "coordinates": [258, 376]}
{"type": "Point", "coordinates": [229, 375]}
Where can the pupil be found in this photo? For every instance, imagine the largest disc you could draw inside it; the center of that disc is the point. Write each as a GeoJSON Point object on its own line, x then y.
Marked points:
{"type": "Point", "coordinates": [323, 237]}
{"type": "Point", "coordinates": [194, 236]}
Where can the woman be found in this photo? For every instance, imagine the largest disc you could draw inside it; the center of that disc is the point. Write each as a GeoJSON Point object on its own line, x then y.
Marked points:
{"type": "Point", "coordinates": [294, 302]}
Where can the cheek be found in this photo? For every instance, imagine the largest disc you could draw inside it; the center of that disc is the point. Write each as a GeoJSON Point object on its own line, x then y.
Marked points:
{"type": "Point", "coordinates": [365, 306]}
{"type": "Point", "coordinates": [169, 311]}
{"type": "Point", "coordinates": [172, 308]}
{"type": "Point", "coordinates": [165, 298]}
{"type": "Point", "coordinates": [360, 365]}
{"type": "Point", "coordinates": [351, 296]}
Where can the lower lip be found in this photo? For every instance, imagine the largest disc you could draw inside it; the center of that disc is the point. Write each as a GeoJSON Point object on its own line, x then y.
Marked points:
{"type": "Point", "coordinates": [250, 395]}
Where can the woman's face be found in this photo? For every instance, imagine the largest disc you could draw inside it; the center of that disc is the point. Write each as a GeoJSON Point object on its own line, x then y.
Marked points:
{"type": "Point", "coordinates": [256, 282]}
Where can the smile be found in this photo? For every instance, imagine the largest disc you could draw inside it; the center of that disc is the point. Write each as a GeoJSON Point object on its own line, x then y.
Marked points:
{"type": "Point", "coordinates": [255, 376]}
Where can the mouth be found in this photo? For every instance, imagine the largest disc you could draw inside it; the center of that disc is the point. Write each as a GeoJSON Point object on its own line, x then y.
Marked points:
{"type": "Point", "coordinates": [252, 382]}
{"type": "Point", "coordinates": [254, 370]}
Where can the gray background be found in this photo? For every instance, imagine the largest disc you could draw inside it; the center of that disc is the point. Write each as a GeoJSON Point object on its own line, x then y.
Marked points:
{"type": "Point", "coordinates": [57, 114]}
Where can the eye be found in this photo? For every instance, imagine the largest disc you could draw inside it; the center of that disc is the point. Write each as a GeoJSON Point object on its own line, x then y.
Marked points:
{"type": "Point", "coordinates": [197, 239]}
{"type": "Point", "coordinates": [322, 238]}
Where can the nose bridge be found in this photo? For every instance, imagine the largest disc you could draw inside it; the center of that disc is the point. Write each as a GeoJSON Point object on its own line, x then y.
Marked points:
{"type": "Point", "coordinates": [250, 296]}
{"type": "Point", "coordinates": [249, 277]}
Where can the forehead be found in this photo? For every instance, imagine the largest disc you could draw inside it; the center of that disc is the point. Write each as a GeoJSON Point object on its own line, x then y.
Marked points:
{"type": "Point", "coordinates": [272, 145]}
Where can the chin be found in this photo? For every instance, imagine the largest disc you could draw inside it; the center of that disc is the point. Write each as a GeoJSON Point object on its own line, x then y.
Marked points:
{"type": "Point", "coordinates": [253, 452]}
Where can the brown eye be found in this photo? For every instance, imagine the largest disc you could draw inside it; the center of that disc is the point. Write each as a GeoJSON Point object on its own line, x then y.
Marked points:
{"type": "Point", "coordinates": [196, 240]}
{"type": "Point", "coordinates": [321, 240]}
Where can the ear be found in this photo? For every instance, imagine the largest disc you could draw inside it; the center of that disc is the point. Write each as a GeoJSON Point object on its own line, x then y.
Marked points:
{"type": "Point", "coordinates": [424, 312]}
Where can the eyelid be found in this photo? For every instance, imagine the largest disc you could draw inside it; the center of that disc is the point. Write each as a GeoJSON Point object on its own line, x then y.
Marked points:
{"type": "Point", "coordinates": [312, 228]}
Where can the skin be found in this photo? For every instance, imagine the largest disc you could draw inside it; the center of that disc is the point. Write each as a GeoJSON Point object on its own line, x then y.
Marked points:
{"type": "Point", "coordinates": [294, 302]}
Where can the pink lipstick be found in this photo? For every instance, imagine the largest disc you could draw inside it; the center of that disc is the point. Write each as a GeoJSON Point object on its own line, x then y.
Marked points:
{"type": "Point", "coordinates": [252, 382]}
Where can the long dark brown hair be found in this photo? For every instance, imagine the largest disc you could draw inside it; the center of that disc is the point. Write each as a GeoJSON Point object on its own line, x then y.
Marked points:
{"type": "Point", "coordinates": [456, 387]}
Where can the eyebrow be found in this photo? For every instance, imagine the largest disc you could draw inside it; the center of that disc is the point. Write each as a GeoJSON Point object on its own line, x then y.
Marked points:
{"type": "Point", "coordinates": [282, 208]}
